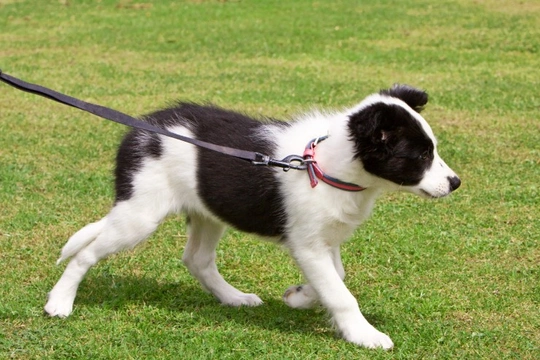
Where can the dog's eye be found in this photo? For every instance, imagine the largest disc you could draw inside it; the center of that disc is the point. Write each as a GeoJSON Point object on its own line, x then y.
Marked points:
{"type": "Point", "coordinates": [424, 156]}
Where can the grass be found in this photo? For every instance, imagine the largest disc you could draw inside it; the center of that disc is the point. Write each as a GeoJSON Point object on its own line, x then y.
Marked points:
{"type": "Point", "coordinates": [457, 278]}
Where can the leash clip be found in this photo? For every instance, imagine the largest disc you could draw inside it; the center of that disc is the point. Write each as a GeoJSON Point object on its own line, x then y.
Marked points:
{"type": "Point", "coordinates": [295, 162]}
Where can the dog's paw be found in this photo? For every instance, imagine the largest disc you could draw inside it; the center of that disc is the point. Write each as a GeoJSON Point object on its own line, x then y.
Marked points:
{"type": "Point", "coordinates": [58, 307]}
{"type": "Point", "coordinates": [242, 299]}
{"type": "Point", "coordinates": [370, 338]}
{"type": "Point", "coordinates": [300, 297]}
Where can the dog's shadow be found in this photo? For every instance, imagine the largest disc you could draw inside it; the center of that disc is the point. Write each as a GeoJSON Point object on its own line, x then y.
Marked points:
{"type": "Point", "coordinates": [119, 292]}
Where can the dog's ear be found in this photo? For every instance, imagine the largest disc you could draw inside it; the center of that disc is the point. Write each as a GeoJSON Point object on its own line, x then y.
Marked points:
{"type": "Point", "coordinates": [413, 97]}
{"type": "Point", "coordinates": [374, 125]}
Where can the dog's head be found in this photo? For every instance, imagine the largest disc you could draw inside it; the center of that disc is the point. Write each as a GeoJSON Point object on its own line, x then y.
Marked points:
{"type": "Point", "coordinates": [394, 142]}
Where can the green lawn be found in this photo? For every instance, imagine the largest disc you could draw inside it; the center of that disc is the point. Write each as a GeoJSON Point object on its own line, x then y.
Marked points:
{"type": "Point", "coordinates": [451, 279]}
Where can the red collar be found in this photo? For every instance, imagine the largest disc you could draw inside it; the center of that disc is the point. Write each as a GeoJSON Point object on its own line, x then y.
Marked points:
{"type": "Point", "coordinates": [315, 172]}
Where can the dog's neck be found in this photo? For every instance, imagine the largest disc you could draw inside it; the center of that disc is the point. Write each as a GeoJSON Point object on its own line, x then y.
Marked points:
{"type": "Point", "coordinates": [316, 173]}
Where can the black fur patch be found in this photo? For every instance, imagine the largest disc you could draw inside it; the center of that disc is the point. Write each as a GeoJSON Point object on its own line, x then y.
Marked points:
{"type": "Point", "coordinates": [241, 194]}
{"type": "Point", "coordinates": [413, 97]}
{"type": "Point", "coordinates": [137, 145]}
{"type": "Point", "coordinates": [391, 143]}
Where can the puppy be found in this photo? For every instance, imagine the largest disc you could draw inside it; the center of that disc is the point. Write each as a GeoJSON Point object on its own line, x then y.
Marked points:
{"type": "Point", "coordinates": [382, 144]}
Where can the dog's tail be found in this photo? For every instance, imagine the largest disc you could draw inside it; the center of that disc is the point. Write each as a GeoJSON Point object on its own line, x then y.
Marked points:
{"type": "Point", "coordinates": [81, 239]}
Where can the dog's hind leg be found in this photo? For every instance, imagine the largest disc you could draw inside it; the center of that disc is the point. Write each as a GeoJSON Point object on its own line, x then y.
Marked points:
{"type": "Point", "coordinates": [304, 296]}
{"type": "Point", "coordinates": [124, 227]}
{"type": "Point", "coordinates": [200, 255]}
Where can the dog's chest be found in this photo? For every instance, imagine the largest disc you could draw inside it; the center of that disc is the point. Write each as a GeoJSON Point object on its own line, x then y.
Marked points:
{"type": "Point", "coordinates": [345, 216]}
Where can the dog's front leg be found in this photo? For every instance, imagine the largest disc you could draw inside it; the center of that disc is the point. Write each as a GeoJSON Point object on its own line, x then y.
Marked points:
{"type": "Point", "coordinates": [318, 264]}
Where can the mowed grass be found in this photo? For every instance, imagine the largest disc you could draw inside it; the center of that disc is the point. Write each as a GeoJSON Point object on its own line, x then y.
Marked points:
{"type": "Point", "coordinates": [451, 279]}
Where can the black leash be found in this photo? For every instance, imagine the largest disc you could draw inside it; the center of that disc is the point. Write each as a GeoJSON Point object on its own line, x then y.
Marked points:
{"type": "Point", "coordinates": [290, 162]}
{"type": "Point", "coordinates": [305, 162]}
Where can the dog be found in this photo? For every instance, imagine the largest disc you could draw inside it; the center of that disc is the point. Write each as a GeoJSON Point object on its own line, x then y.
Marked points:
{"type": "Point", "coordinates": [382, 144]}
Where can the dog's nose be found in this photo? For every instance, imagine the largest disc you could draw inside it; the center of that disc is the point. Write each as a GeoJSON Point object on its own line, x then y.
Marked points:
{"type": "Point", "coordinates": [455, 182]}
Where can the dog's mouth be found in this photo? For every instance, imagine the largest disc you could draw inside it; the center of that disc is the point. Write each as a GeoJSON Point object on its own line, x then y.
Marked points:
{"type": "Point", "coordinates": [431, 196]}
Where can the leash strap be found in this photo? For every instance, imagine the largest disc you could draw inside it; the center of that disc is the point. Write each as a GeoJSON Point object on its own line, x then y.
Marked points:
{"type": "Point", "coordinates": [305, 162]}
{"type": "Point", "coordinates": [121, 118]}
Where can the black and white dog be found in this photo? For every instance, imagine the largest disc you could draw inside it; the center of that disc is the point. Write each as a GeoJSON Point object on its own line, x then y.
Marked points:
{"type": "Point", "coordinates": [382, 144]}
